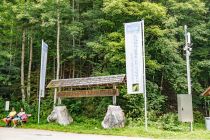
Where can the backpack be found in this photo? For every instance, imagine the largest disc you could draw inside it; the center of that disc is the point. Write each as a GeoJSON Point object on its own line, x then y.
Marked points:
{"type": "Point", "coordinates": [24, 117]}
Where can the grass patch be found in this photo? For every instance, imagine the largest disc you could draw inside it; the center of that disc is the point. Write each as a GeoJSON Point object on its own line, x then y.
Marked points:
{"type": "Point", "coordinates": [93, 126]}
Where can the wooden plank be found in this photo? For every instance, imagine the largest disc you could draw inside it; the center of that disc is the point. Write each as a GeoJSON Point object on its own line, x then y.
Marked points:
{"type": "Point", "coordinates": [88, 93]}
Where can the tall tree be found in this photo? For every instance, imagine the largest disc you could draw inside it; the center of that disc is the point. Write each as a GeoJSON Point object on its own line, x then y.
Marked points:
{"type": "Point", "coordinates": [58, 48]}
{"type": "Point", "coordinates": [73, 39]}
{"type": "Point", "coordinates": [22, 64]}
{"type": "Point", "coordinates": [29, 70]}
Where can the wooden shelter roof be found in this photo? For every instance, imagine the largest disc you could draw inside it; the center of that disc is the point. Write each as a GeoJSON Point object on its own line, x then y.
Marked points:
{"type": "Point", "coordinates": [88, 81]}
{"type": "Point", "coordinates": [206, 92]}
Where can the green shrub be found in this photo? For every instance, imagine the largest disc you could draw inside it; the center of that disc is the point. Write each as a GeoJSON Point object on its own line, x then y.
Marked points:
{"type": "Point", "coordinates": [135, 122]}
{"type": "Point", "coordinates": [198, 117]}
{"type": "Point", "coordinates": [170, 122]}
{"type": "Point", "coordinates": [133, 105]}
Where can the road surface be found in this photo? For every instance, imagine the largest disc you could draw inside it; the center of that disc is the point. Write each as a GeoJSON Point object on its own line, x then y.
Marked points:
{"type": "Point", "coordinates": [32, 134]}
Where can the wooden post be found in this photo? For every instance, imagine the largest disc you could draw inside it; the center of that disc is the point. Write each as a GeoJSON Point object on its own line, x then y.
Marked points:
{"type": "Point", "coordinates": [59, 99]}
{"type": "Point", "coordinates": [55, 97]}
{"type": "Point", "coordinates": [114, 98]}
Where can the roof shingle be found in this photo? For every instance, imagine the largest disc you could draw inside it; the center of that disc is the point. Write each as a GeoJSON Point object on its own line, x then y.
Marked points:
{"type": "Point", "coordinates": [88, 81]}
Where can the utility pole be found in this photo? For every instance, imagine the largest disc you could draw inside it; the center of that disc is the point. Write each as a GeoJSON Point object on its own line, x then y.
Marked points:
{"type": "Point", "coordinates": [188, 50]}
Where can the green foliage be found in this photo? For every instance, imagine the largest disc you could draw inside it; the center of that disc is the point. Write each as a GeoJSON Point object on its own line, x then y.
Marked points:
{"type": "Point", "coordinates": [198, 117]}
{"type": "Point", "coordinates": [92, 44]}
{"type": "Point", "coordinates": [169, 122]}
{"type": "Point", "coordinates": [134, 104]}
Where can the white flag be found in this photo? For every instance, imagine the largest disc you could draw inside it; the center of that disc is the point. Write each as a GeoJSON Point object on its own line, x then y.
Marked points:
{"type": "Point", "coordinates": [134, 47]}
{"type": "Point", "coordinates": [43, 69]}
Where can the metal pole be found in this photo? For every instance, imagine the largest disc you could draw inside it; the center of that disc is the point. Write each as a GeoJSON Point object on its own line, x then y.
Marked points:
{"type": "Point", "coordinates": [187, 61]}
{"type": "Point", "coordinates": [39, 107]}
{"type": "Point", "coordinates": [40, 91]}
{"type": "Point", "coordinates": [188, 68]}
{"type": "Point", "coordinates": [145, 91]}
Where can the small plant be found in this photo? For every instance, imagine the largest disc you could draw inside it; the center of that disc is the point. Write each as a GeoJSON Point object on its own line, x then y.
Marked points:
{"type": "Point", "coordinates": [169, 122]}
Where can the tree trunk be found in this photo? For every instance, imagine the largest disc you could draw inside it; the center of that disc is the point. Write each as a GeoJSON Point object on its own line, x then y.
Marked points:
{"type": "Point", "coordinates": [29, 70]}
{"type": "Point", "coordinates": [73, 41]}
{"type": "Point", "coordinates": [54, 67]}
{"type": "Point", "coordinates": [22, 65]}
{"type": "Point", "coordinates": [58, 43]}
{"type": "Point", "coordinates": [10, 49]}
{"type": "Point", "coordinates": [161, 83]}
{"type": "Point", "coordinates": [58, 50]}
{"type": "Point", "coordinates": [63, 72]}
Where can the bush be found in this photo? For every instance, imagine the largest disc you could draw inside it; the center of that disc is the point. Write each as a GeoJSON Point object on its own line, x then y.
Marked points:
{"type": "Point", "coordinates": [198, 117]}
{"type": "Point", "coordinates": [169, 122]}
{"type": "Point", "coordinates": [94, 107]}
{"type": "Point", "coordinates": [133, 105]}
{"type": "Point", "coordinates": [135, 122]}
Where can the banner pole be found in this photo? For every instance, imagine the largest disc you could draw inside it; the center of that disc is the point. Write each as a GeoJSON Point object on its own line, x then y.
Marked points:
{"type": "Point", "coordinates": [39, 108]}
{"type": "Point", "coordinates": [145, 91]}
{"type": "Point", "coordinates": [39, 102]}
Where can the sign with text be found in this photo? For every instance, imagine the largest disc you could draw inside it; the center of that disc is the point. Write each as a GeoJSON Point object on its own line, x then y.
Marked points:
{"type": "Point", "coordinates": [135, 64]}
{"type": "Point", "coordinates": [43, 69]}
{"type": "Point", "coordinates": [89, 93]}
{"type": "Point", "coordinates": [7, 106]}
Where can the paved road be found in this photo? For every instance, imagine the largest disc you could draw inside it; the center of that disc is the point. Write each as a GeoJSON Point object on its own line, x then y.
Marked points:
{"type": "Point", "coordinates": [31, 134]}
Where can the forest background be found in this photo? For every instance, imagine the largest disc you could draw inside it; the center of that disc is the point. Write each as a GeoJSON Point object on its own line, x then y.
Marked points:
{"type": "Point", "coordinates": [86, 38]}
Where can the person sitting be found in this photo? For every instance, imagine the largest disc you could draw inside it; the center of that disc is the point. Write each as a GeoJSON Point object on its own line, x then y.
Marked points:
{"type": "Point", "coordinates": [9, 118]}
{"type": "Point", "coordinates": [21, 117]}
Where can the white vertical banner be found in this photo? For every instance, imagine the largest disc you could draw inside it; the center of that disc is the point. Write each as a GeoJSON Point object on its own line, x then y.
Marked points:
{"type": "Point", "coordinates": [42, 75]}
{"type": "Point", "coordinates": [135, 64]}
{"type": "Point", "coordinates": [43, 69]}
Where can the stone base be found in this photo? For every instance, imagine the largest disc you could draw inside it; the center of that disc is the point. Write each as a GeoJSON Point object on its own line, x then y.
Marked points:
{"type": "Point", "coordinates": [115, 118]}
{"type": "Point", "coordinates": [60, 115]}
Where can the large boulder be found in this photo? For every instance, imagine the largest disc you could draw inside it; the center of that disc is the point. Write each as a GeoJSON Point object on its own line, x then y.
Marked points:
{"type": "Point", "coordinates": [115, 117]}
{"type": "Point", "coordinates": [60, 115]}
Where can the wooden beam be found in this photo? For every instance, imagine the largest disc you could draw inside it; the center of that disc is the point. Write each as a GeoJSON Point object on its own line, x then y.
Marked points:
{"type": "Point", "coordinates": [206, 92]}
{"type": "Point", "coordinates": [88, 93]}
